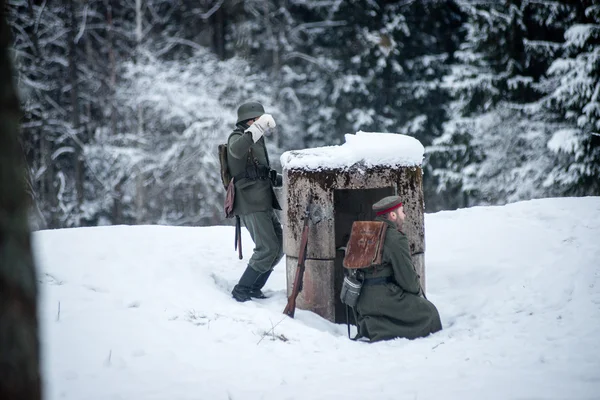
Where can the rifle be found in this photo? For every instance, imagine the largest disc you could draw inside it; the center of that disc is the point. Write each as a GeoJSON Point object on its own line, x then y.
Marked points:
{"type": "Point", "coordinates": [290, 308]}
{"type": "Point", "coordinates": [237, 245]}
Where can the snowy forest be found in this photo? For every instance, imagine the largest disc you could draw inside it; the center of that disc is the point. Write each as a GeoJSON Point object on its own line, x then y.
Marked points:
{"type": "Point", "coordinates": [125, 103]}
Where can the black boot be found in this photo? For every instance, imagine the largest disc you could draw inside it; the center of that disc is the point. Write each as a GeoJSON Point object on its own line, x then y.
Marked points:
{"type": "Point", "coordinates": [241, 291]}
{"type": "Point", "coordinates": [259, 284]}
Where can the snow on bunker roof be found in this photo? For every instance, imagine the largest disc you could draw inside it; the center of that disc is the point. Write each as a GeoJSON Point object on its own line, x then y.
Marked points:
{"type": "Point", "coordinates": [364, 148]}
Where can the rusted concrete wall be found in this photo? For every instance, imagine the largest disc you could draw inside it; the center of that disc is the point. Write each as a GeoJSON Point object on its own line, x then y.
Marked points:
{"type": "Point", "coordinates": [320, 185]}
{"type": "Point", "coordinates": [317, 293]}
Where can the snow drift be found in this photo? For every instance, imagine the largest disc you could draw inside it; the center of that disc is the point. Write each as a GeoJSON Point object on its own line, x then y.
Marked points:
{"type": "Point", "coordinates": [144, 312]}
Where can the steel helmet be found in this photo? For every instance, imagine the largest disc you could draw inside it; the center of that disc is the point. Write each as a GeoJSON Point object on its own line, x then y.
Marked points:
{"type": "Point", "coordinates": [249, 110]}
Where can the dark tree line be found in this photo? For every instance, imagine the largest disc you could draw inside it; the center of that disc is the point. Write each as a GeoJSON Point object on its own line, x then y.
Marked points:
{"type": "Point", "coordinates": [124, 103]}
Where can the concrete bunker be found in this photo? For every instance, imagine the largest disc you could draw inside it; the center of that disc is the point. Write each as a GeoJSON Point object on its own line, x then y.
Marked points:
{"type": "Point", "coordinates": [342, 182]}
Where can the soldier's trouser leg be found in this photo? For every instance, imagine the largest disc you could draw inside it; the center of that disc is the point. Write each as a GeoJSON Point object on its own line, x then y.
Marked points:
{"type": "Point", "coordinates": [265, 231]}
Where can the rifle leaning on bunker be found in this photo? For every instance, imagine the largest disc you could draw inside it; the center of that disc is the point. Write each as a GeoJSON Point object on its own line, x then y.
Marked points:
{"type": "Point", "coordinates": [290, 308]}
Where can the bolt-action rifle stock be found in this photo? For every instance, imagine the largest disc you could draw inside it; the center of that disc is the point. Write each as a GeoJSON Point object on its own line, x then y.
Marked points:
{"type": "Point", "coordinates": [290, 308]}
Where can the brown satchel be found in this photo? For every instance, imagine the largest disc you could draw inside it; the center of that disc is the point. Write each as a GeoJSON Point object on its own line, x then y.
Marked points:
{"type": "Point", "coordinates": [365, 247]}
{"type": "Point", "coordinates": [229, 199]}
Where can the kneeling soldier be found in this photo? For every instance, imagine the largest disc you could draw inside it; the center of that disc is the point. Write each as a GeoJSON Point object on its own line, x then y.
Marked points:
{"type": "Point", "coordinates": [391, 303]}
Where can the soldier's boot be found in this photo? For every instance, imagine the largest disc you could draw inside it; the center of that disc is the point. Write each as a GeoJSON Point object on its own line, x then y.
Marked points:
{"type": "Point", "coordinates": [241, 291]}
{"type": "Point", "coordinates": [255, 290]}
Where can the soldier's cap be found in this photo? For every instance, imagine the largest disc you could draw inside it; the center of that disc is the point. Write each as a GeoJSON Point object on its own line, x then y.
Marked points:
{"type": "Point", "coordinates": [387, 204]}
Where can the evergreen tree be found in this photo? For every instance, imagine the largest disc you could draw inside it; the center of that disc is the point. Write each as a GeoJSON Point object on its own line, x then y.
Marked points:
{"type": "Point", "coordinates": [497, 145]}
{"type": "Point", "coordinates": [573, 86]}
{"type": "Point", "coordinates": [61, 51]}
{"type": "Point", "coordinates": [189, 108]}
{"type": "Point", "coordinates": [124, 103]}
{"type": "Point", "coordinates": [378, 67]}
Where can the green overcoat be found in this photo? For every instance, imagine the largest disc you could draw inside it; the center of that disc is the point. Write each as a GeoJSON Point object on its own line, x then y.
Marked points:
{"type": "Point", "coordinates": [395, 309]}
{"type": "Point", "coordinates": [250, 195]}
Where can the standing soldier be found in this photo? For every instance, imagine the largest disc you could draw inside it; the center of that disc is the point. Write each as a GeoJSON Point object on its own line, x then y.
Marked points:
{"type": "Point", "coordinates": [391, 303]}
{"type": "Point", "coordinates": [255, 200]}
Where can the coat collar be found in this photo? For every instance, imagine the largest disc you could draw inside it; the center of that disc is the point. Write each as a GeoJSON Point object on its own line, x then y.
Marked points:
{"type": "Point", "coordinates": [388, 222]}
{"type": "Point", "coordinates": [242, 126]}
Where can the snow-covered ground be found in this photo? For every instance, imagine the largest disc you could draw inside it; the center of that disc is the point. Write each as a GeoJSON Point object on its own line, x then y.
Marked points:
{"type": "Point", "coordinates": [144, 312]}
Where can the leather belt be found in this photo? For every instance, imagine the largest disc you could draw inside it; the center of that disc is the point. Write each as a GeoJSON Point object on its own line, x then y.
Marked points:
{"type": "Point", "coordinates": [378, 281]}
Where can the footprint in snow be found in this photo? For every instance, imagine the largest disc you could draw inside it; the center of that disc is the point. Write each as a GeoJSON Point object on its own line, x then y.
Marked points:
{"type": "Point", "coordinates": [221, 283]}
{"type": "Point", "coordinates": [50, 279]}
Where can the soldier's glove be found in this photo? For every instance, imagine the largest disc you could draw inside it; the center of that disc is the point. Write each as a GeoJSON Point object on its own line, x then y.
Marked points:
{"type": "Point", "coordinates": [276, 179]}
{"type": "Point", "coordinates": [261, 127]}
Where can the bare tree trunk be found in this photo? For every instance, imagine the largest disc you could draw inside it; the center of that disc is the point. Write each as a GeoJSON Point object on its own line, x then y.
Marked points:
{"type": "Point", "coordinates": [73, 78]}
{"type": "Point", "coordinates": [139, 177]}
{"type": "Point", "coordinates": [43, 189]}
{"type": "Point", "coordinates": [112, 66]}
{"type": "Point", "coordinates": [218, 23]}
{"type": "Point", "coordinates": [138, 38]}
{"type": "Point", "coordinates": [48, 190]}
{"type": "Point", "coordinates": [271, 37]}
{"type": "Point", "coordinates": [139, 198]}
{"type": "Point", "coordinates": [19, 345]}
{"type": "Point", "coordinates": [117, 207]}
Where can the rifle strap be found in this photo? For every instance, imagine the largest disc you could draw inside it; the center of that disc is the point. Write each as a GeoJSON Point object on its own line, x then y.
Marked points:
{"type": "Point", "coordinates": [238, 237]}
{"type": "Point", "coordinates": [235, 240]}
{"type": "Point", "coordinates": [348, 323]}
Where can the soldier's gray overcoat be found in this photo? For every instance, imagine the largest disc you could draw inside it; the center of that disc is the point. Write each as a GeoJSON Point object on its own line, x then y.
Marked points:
{"type": "Point", "coordinates": [395, 309]}
{"type": "Point", "coordinates": [255, 200]}
{"type": "Point", "coordinates": [250, 195]}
